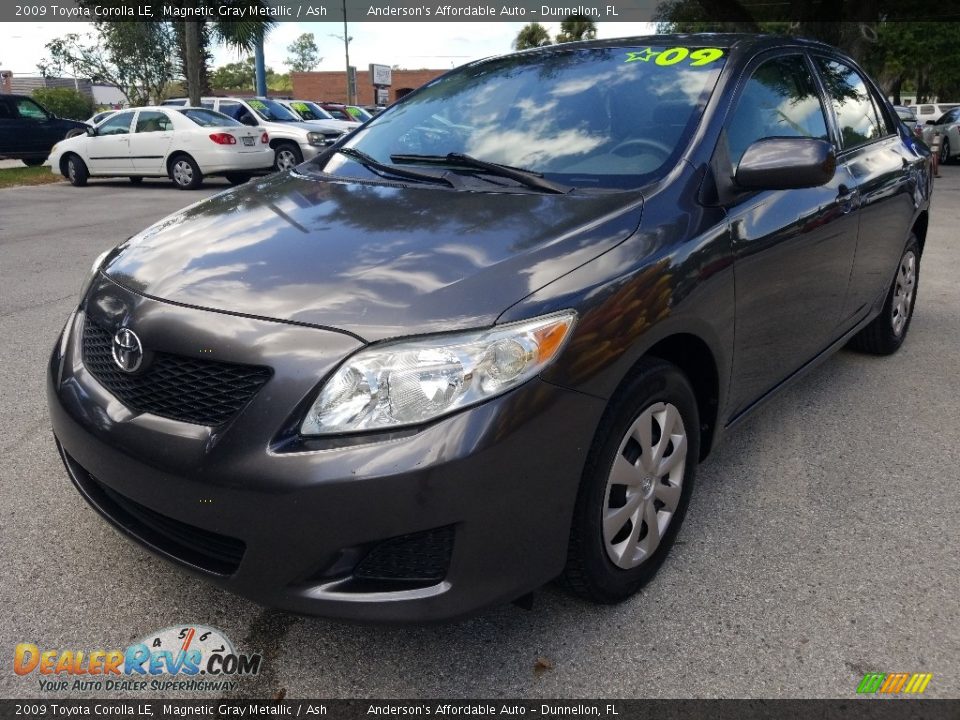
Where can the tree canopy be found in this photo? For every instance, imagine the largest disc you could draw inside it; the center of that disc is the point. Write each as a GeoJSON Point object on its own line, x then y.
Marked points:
{"type": "Point", "coordinates": [304, 54]}
{"type": "Point", "coordinates": [532, 35]}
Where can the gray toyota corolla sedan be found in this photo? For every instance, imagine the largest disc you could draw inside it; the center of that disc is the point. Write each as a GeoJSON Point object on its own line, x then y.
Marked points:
{"type": "Point", "coordinates": [483, 342]}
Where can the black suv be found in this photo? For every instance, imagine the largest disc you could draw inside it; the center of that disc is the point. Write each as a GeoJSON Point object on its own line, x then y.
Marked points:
{"type": "Point", "coordinates": [28, 130]}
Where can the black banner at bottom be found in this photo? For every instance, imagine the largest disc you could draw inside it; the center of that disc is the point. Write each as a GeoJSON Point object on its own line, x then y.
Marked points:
{"type": "Point", "coordinates": [868, 709]}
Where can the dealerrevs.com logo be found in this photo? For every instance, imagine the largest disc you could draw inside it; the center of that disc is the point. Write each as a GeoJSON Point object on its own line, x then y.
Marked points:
{"type": "Point", "coordinates": [187, 657]}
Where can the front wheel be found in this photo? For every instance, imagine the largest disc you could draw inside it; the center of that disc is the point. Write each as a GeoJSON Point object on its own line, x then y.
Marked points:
{"type": "Point", "coordinates": [636, 485]}
{"type": "Point", "coordinates": [33, 162]}
{"type": "Point", "coordinates": [945, 151]}
{"type": "Point", "coordinates": [886, 332]}
{"type": "Point", "coordinates": [77, 172]}
{"type": "Point", "coordinates": [186, 173]}
{"type": "Point", "coordinates": [287, 155]}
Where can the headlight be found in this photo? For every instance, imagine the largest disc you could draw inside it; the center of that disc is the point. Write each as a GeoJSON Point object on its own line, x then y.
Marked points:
{"type": "Point", "coordinates": [413, 381]}
{"type": "Point", "coordinates": [315, 138]}
{"type": "Point", "coordinates": [88, 280]}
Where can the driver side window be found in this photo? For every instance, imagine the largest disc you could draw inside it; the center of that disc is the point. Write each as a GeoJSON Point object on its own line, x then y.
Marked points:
{"type": "Point", "coordinates": [119, 124]}
{"type": "Point", "coordinates": [779, 100]}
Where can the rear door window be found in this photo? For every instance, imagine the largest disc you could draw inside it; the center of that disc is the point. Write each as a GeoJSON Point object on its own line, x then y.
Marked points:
{"type": "Point", "coordinates": [858, 119]}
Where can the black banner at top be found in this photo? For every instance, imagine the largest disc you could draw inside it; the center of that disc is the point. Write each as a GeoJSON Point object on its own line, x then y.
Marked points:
{"type": "Point", "coordinates": [736, 12]}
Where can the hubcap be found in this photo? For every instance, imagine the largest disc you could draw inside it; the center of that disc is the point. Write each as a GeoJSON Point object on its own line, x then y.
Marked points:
{"type": "Point", "coordinates": [285, 160]}
{"type": "Point", "coordinates": [182, 172]}
{"type": "Point", "coordinates": [903, 292]}
{"type": "Point", "coordinates": [644, 485]}
{"type": "Point", "coordinates": [72, 170]}
{"type": "Point", "coordinates": [945, 152]}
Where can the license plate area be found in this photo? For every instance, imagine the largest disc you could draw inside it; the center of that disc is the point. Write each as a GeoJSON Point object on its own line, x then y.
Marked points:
{"type": "Point", "coordinates": [248, 141]}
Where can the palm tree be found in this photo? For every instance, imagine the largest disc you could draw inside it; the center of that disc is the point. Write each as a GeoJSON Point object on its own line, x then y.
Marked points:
{"type": "Point", "coordinates": [531, 36]}
{"type": "Point", "coordinates": [577, 27]}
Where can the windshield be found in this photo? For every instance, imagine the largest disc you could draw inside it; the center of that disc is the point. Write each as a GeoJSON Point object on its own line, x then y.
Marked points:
{"type": "Point", "coordinates": [358, 114]}
{"type": "Point", "coordinates": [591, 117]}
{"type": "Point", "coordinates": [309, 110]}
{"type": "Point", "coordinates": [271, 110]}
{"type": "Point", "coordinates": [209, 118]}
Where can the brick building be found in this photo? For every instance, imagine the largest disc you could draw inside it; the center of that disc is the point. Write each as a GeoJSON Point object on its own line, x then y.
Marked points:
{"type": "Point", "coordinates": [332, 86]}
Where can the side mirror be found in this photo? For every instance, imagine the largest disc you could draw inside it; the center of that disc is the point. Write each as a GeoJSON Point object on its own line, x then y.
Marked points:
{"type": "Point", "coordinates": [91, 131]}
{"type": "Point", "coordinates": [786, 164]}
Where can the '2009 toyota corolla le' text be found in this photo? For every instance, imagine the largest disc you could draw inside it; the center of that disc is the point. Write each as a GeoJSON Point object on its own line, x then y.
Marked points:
{"type": "Point", "coordinates": [483, 342]}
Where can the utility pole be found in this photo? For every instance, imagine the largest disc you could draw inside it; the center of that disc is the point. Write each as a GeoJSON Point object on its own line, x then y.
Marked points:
{"type": "Point", "coordinates": [346, 52]}
{"type": "Point", "coordinates": [260, 71]}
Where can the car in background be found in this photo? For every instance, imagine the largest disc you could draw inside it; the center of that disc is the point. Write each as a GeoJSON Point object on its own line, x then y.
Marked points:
{"type": "Point", "coordinates": [357, 113]}
{"type": "Point", "coordinates": [185, 144]}
{"type": "Point", "coordinates": [909, 118]}
{"type": "Point", "coordinates": [100, 117]}
{"type": "Point", "coordinates": [926, 112]}
{"type": "Point", "coordinates": [292, 140]}
{"type": "Point", "coordinates": [948, 127]}
{"type": "Point", "coordinates": [28, 130]}
{"type": "Point", "coordinates": [314, 114]}
{"type": "Point", "coordinates": [337, 110]}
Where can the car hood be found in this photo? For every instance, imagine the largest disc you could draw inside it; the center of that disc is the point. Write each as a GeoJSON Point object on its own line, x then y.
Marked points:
{"type": "Point", "coordinates": [376, 260]}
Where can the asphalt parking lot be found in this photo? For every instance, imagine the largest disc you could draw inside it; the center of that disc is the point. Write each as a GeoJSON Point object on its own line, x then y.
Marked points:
{"type": "Point", "coordinates": [823, 540]}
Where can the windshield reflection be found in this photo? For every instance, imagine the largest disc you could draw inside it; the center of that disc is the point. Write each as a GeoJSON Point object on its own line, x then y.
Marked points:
{"type": "Point", "coordinates": [588, 117]}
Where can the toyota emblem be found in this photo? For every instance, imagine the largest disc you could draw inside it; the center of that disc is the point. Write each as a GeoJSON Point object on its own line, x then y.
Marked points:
{"type": "Point", "coordinates": [127, 350]}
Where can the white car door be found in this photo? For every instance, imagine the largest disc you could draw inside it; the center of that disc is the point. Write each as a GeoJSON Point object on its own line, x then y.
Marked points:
{"type": "Point", "coordinates": [108, 152]}
{"type": "Point", "coordinates": [150, 142]}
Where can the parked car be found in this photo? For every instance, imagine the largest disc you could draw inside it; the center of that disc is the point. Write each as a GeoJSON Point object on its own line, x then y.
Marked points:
{"type": "Point", "coordinates": [292, 140]}
{"type": "Point", "coordinates": [312, 113]}
{"type": "Point", "coordinates": [183, 143]}
{"type": "Point", "coordinates": [28, 130]}
{"type": "Point", "coordinates": [909, 118]}
{"type": "Point", "coordinates": [424, 374]}
{"type": "Point", "coordinates": [931, 111]}
{"type": "Point", "coordinates": [340, 111]}
{"type": "Point", "coordinates": [100, 117]}
{"type": "Point", "coordinates": [948, 127]}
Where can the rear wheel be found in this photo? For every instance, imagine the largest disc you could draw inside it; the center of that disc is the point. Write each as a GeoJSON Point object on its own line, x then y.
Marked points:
{"type": "Point", "coordinates": [236, 178]}
{"type": "Point", "coordinates": [636, 486]}
{"type": "Point", "coordinates": [73, 133]}
{"type": "Point", "coordinates": [76, 170]}
{"type": "Point", "coordinates": [886, 333]}
{"type": "Point", "coordinates": [287, 155]}
{"type": "Point", "coordinates": [185, 172]}
{"type": "Point", "coordinates": [33, 162]}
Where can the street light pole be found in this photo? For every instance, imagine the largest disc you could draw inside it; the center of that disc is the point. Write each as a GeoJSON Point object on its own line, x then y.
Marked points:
{"type": "Point", "coordinates": [346, 52]}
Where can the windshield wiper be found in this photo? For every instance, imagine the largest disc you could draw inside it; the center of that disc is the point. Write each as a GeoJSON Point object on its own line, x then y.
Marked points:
{"type": "Point", "coordinates": [528, 178]}
{"type": "Point", "coordinates": [372, 163]}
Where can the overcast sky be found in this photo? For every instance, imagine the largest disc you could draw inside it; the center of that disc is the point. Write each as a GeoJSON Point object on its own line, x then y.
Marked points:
{"type": "Point", "coordinates": [407, 44]}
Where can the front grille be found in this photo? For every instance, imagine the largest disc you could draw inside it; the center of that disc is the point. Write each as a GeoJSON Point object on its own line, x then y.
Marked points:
{"type": "Point", "coordinates": [200, 548]}
{"type": "Point", "coordinates": [202, 392]}
{"type": "Point", "coordinates": [421, 557]}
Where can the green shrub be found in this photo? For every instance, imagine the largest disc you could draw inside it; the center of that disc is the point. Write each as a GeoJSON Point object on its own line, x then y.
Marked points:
{"type": "Point", "coordinates": [65, 102]}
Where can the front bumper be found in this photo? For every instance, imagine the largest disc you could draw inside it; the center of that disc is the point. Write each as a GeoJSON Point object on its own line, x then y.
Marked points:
{"type": "Point", "coordinates": [499, 481]}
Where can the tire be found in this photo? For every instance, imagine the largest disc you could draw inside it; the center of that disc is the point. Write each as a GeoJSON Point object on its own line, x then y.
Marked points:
{"type": "Point", "coordinates": [76, 170]}
{"type": "Point", "coordinates": [945, 158]}
{"type": "Point", "coordinates": [607, 562]}
{"type": "Point", "coordinates": [887, 331]}
{"type": "Point", "coordinates": [236, 178]}
{"type": "Point", "coordinates": [135, 179]}
{"type": "Point", "coordinates": [33, 162]}
{"type": "Point", "coordinates": [185, 172]}
{"type": "Point", "coordinates": [73, 133]}
{"type": "Point", "coordinates": [285, 156]}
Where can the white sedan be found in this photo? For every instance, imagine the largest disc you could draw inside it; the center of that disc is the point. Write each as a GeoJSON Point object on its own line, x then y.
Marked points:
{"type": "Point", "coordinates": [181, 143]}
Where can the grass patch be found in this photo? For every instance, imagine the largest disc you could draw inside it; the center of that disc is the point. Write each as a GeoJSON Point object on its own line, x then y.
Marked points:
{"type": "Point", "coordinates": [11, 177]}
